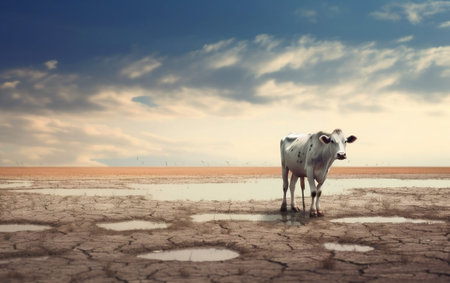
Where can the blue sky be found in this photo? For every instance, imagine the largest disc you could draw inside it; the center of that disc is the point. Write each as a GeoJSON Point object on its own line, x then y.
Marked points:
{"type": "Point", "coordinates": [220, 82]}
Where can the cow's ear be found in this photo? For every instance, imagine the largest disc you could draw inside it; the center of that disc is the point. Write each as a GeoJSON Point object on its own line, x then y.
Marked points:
{"type": "Point", "coordinates": [351, 139]}
{"type": "Point", "coordinates": [325, 139]}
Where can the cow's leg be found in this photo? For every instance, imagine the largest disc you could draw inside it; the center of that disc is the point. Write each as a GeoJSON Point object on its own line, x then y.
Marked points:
{"type": "Point", "coordinates": [284, 174]}
{"type": "Point", "coordinates": [312, 187]}
{"type": "Point", "coordinates": [319, 194]}
{"type": "Point", "coordinates": [302, 185]}
{"type": "Point", "coordinates": [292, 188]}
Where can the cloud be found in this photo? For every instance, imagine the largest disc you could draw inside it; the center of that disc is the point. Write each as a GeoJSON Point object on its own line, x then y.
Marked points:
{"type": "Point", "coordinates": [306, 52]}
{"type": "Point", "coordinates": [309, 15]}
{"type": "Point", "coordinates": [51, 64]}
{"type": "Point", "coordinates": [140, 67]}
{"type": "Point", "coordinates": [217, 46]}
{"type": "Point", "coordinates": [12, 84]}
{"type": "Point", "coordinates": [445, 24]}
{"type": "Point", "coordinates": [209, 81]}
{"type": "Point", "coordinates": [405, 39]}
{"type": "Point", "coordinates": [38, 140]}
{"type": "Point", "coordinates": [267, 41]}
{"type": "Point", "coordinates": [192, 110]}
{"type": "Point", "coordinates": [413, 12]}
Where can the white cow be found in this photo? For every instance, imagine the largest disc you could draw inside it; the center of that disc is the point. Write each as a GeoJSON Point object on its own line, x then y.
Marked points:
{"type": "Point", "coordinates": [310, 156]}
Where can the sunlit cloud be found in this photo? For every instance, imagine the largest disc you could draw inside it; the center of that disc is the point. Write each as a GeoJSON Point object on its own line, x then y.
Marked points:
{"type": "Point", "coordinates": [405, 39]}
{"type": "Point", "coordinates": [415, 13]}
{"type": "Point", "coordinates": [228, 100]}
{"type": "Point", "coordinates": [12, 84]}
{"type": "Point", "coordinates": [445, 24]}
{"type": "Point", "coordinates": [141, 67]}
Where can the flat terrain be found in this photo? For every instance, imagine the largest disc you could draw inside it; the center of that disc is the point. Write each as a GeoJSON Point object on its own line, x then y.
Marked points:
{"type": "Point", "coordinates": [75, 249]}
{"type": "Point", "coordinates": [124, 172]}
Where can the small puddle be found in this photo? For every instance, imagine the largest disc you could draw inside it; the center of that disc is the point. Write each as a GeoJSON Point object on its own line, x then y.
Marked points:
{"type": "Point", "coordinates": [270, 188]}
{"type": "Point", "coordinates": [251, 189]}
{"type": "Point", "coordinates": [8, 228]}
{"type": "Point", "coordinates": [132, 225]}
{"type": "Point", "coordinates": [235, 217]}
{"type": "Point", "coordinates": [347, 247]}
{"type": "Point", "coordinates": [382, 219]}
{"type": "Point", "coordinates": [194, 254]}
{"type": "Point", "coordinates": [11, 184]}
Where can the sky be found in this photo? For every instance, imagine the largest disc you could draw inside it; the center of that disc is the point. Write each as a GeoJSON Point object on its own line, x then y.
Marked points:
{"type": "Point", "coordinates": [219, 83]}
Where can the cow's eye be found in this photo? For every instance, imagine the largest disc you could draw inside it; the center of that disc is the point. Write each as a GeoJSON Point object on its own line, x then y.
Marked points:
{"type": "Point", "coordinates": [332, 141]}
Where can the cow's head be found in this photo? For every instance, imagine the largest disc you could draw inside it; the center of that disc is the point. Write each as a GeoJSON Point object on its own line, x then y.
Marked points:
{"type": "Point", "coordinates": [337, 142]}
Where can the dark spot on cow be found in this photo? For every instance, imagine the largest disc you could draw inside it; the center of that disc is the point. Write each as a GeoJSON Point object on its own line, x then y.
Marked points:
{"type": "Point", "coordinates": [319, 193]}
{"type": "Point", "coordinates": [313, 194]}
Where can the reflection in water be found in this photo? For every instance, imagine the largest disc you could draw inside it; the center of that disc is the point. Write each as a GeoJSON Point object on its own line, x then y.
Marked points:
{"type": "Point", "coordinates": [347, 247]}
{"type": "Point", "coordinates": [287, 218]}
{"type": "Point", "coordinates": [234, 217]}
{"type": "Point", "coordinates": [252, 189]}
{"type": "Point", "coordinates": [194, 254]}
{"type": "Point", "coordinates": [132, 225]}
{"type": "Point", "coordinates": [22, 227]}
{"type": "Point", "coordinates": [381, 219]}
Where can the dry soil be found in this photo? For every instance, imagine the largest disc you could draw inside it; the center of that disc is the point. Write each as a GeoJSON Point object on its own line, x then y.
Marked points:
{"type": "Point", "coordinates": [77, 250]}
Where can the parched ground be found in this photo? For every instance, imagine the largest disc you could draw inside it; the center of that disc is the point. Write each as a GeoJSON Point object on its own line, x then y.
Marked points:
{"type": "Point", "coordinates": [75, 249]}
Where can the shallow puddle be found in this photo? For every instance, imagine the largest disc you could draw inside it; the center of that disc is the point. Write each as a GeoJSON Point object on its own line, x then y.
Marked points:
{"type": "Point", "coordinates": [252, 189]}
{"type": "Point", "coordinates": [235, 217]}
{"type": "Point", "coordinates": [132, 225]}
{"type": "Point", "coordinates": [194, 254]}
{"type": "Point", "coordinates": [381, 219]}
{"type": "Point", "coordinates": [347, 247]}
{"type": "Point", "coordinates": [268, 189]}
{"type": "Point", "coordinates": [11, 184]}
{"type": "Point", "coordinates": [8, 228]}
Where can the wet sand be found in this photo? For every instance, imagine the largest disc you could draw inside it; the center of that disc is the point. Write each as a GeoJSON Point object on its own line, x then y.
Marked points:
{"type": "Point", "coordinates": [294, 249]}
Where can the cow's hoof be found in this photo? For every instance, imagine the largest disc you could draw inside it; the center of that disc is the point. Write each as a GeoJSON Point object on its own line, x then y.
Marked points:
{"type": "Point", "coordinates": [320, 213]}
{"type": "Point", "coordinates": [295, 209]}
{"type": "Point", "coordinates": [283, 207]}
{"type": "Point", "coordinates": [312, 213]}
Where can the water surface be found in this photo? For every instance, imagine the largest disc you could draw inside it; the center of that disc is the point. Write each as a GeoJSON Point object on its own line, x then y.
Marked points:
{"type": "Point", "coordinates": [252, 189]}
{"type": "Point", "coordinates": [235, 217]}
{"type": "Point", "coordinates": [22, 227]}
{"type": "Point", "coordinates": [193, 254]}
{"type": "Point", "coordinates": [132, 225]}
{"type": "Point", "coordinates": [10, 184]}
{"type": "Point", "coordinates": [347, 247]}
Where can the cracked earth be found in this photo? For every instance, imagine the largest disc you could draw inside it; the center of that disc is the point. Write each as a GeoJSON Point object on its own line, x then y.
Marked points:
{"type": "Point", "coordinates": [75, 249]}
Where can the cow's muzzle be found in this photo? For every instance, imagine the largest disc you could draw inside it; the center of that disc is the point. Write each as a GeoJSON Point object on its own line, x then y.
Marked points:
{"type": "Point", "coordinates": [341, 155]}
